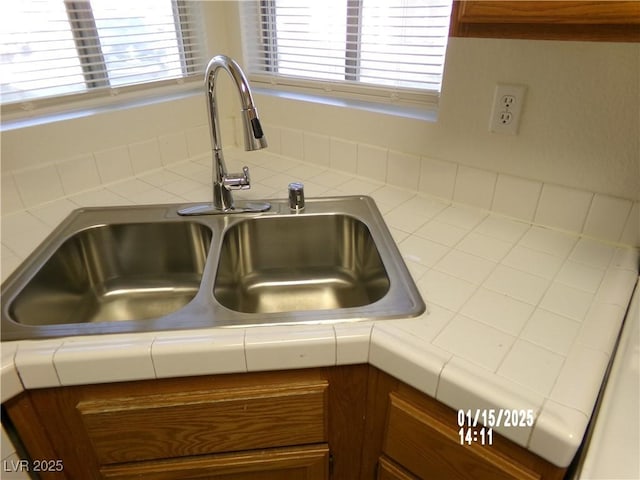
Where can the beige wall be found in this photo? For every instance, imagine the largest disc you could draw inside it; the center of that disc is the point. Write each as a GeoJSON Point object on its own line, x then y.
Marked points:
{"type": "Point", "coordinates": [580, 126]}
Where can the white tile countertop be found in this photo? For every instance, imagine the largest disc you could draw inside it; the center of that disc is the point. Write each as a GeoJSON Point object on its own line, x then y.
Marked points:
{"type": "Point", "coordinates": [519, 316]}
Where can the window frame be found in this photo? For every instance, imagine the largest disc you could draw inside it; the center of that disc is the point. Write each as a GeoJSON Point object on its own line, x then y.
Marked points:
{"type": "Point", "coordinates": [99, 92]}
{"type": "Point", "coordinates": [365, 95]}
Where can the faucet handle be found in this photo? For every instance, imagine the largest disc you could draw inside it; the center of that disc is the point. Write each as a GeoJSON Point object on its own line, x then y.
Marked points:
{"type": "Point", "coordinates": [238, 181]}
{"type": "Point", "coordinates": [246, 177]}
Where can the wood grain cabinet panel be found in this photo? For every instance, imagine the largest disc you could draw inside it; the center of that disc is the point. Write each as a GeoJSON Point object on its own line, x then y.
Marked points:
{"type": "Point", "coordinates": [296, 463]}
{"type": "Point", "coordinates": [429, 448]}
{"type": "Point", "coordinates": [164, 425]}
{"type": "Point", "coordinates": [260, 426]}
{"type": "Point", "coordinates": [543, 19]}
{"type": "Point", "coordinates": [412, 436]}
{"type": "Point", "coordinates": [250, 426]}
{"type": "Point", "coordinates": [389, 470]}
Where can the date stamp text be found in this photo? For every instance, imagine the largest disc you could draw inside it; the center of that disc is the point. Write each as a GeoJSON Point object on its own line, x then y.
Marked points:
{"type": "Point", "coordinates": [476, 425]}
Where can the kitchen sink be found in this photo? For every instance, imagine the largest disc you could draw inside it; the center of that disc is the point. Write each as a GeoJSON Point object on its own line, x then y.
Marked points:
{"type": "Point", "coordinates": [293, 263]}
{"type": "Point", "coordinates": [116, 272]}
{"type": "Point", "coordinates": [146, 268]}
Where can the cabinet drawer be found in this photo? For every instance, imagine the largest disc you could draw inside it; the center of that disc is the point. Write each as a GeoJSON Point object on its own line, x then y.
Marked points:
{"type": "Point", "coordinates": [429, 448]}
{"type": "Point", "coordinates": [158, 425]}
{"type": "Point", "coordinates": [297, 463]}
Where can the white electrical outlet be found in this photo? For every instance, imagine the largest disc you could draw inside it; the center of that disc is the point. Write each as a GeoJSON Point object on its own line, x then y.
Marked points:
{"type": "Point", "coordinates": [507, 108]}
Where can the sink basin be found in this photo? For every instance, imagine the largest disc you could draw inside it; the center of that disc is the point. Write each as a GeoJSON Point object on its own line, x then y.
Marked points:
{"type": "Point", "coordinates": [116, 272]}
{"type": "Point", "coordinates": [293, 263]}
{"type": "Point", "coordinates": [146, 268]}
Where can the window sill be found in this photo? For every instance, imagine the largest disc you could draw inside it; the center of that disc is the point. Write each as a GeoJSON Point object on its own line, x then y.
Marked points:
{"type": "Point", "coordinates": [428, 113]}
{"type": "Point", "coordinates": [86, 108]}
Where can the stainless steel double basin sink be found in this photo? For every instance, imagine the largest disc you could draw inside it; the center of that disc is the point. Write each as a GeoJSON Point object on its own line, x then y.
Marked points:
{"type": "Point", "coordinates": [145, 268]}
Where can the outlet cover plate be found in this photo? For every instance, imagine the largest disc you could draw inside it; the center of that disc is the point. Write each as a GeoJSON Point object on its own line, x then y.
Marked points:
{"type": "Point", "coordinates": [507, 108]}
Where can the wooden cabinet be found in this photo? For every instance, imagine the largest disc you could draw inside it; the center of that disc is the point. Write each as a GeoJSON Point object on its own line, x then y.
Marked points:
{"type": "Point", "coordinates": [389, 470]}
{"type": "Point", "coordinates": [275, 425]}
{"type": "Point", "coordinates": [414, 437]}
{"type": "Point", "coordinates": [344, 423]}
{"type": "Point", "coordinates": [179, 424]}
{"type": "Point", "coordinates": [296, 463]}
{"type": "Point", "coordinates": [429, 446]}
{"type": "Point", "coordinates": [555, 20]}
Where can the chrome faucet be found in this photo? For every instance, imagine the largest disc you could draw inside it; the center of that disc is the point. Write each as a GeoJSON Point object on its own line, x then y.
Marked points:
{"type": "Point", "coordinates": [254, 139]}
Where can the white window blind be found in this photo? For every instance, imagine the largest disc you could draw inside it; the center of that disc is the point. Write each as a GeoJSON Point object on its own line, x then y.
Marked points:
{"type": "Point", "coordinates": [52, 48]}
{"type": "Point", "coordinates": [392, 50]}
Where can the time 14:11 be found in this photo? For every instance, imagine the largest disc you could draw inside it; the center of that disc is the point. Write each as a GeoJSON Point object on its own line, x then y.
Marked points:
{"type": "Point", "coordinates": [483, 436]}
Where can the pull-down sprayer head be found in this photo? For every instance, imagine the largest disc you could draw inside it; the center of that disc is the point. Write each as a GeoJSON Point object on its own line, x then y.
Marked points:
{"type": "Point", "coordinates": [254, 138]}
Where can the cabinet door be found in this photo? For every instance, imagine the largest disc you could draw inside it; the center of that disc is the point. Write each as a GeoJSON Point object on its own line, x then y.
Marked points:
{"type": "Point", "coordinates": [429, 448]}
{"type": "Point", "coordinates": [558, 19]}
{"type": "Point", "coordinates": [93, 427]}
{"type": "Point", "coordinates": [296, 463]}
{"type": "Point", "coordinates": [389, 470]}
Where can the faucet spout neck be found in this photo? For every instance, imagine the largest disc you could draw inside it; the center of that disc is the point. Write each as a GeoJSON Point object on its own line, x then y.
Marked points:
{"type": "Point", "coordinates": [253, 135]}
{"type": "Point", "coordinates": [254, 138]}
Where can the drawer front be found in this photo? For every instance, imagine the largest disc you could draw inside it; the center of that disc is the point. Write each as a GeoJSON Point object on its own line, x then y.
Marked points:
{"type": "Point", "coordinates": [194, 423]}
{"type": "Point", "coordinates": [429, 448]}
{"type": "Point", "coordinates": [296, 463]}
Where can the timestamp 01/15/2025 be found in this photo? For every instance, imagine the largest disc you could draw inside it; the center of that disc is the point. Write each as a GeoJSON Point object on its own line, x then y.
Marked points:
{"type": "Point", "coordinates": [476, 426]}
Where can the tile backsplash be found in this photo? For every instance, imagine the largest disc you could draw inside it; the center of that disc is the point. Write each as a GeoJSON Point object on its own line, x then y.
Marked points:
{"type": "Point", "coordinates": [592, 214]}
{"type": "Point", "coordinates": [33, 186]}
{"type": "Point", "coordinates": [595, 215]}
